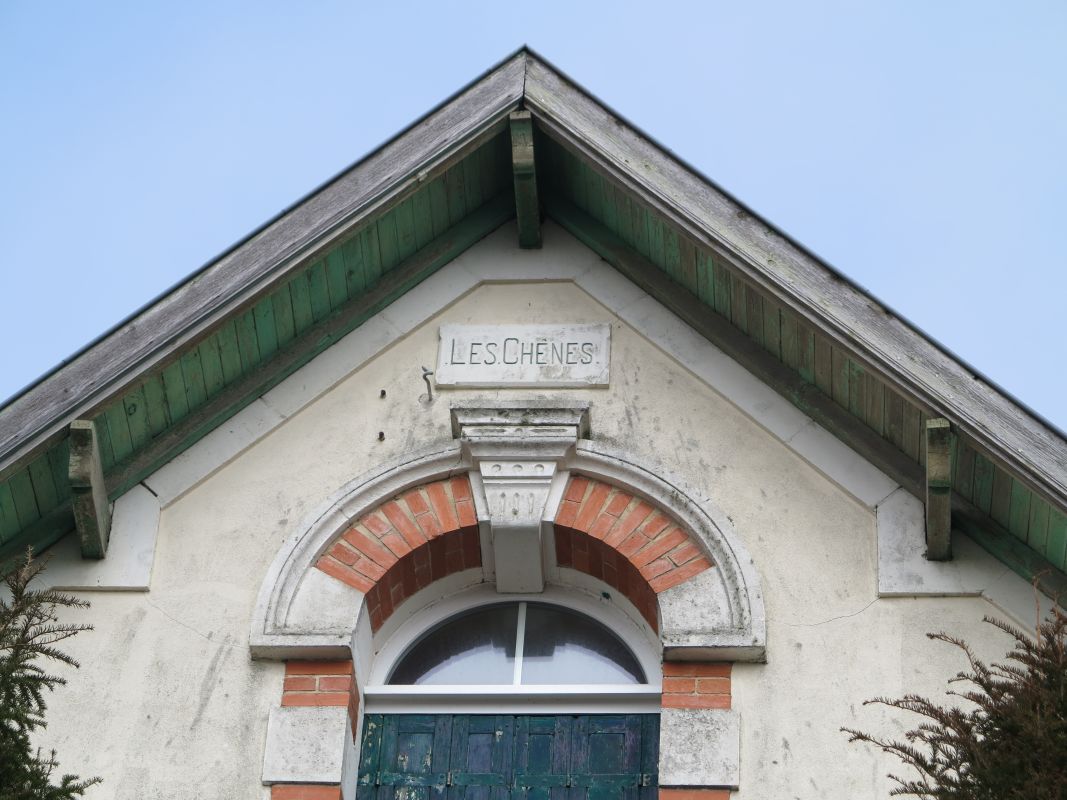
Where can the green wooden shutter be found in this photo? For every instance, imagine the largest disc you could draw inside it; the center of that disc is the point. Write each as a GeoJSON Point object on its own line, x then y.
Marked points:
{"type": "Point", "coordinates": [606, 756]}
{"type": "Point", "coordinates": [405, 756]}
{"type": "Point", "coordinates": [542, 756]}
{"type": "Point", "coordinates": [506, 757]}
{"type": "Point", "coordinates": [481, 758]}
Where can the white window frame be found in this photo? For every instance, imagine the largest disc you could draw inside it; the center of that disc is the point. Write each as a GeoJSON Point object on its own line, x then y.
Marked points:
{"type": "Point", "coordinates": [514, 698]}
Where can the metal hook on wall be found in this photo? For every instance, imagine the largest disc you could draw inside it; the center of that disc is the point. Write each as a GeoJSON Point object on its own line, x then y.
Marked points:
{"type": "Point", "coordinates": [426, 373]}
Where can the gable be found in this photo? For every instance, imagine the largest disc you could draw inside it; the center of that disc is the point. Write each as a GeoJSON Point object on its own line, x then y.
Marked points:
{"type": "Point", "coordinates": [834, 382]}
{"type": "Point", "coordinates": [676, 407]}
{"type": "Point", "coordinates": [844, 359]}
{"type": "Point", "coordinates": [182, 367]}
{"type": "Point", "coordinates": [186, 365]}
{"type": "Point", "coordinates": [331, 421]}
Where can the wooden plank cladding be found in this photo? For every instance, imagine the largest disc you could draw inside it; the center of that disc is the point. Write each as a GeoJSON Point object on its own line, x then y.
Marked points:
{"type": "Point", "coordinates": [905, 358]}
{"type": "Point", "coordinates": [32, 494]}
{"type": "Point", "coordinates": [1027, 516]}
{"type": "Point", "coordinates": [163, 379]}
{"type": "Point", "coordinates": [567, 177]}
{"type": "Point", "coordinates": [37, 419]}
{"type": "Point", "coordinates": [35, 504]}
{"type": "Point", "coordinates": [345, 272]}
{"type": "Point", "coordinates": [183, 398]}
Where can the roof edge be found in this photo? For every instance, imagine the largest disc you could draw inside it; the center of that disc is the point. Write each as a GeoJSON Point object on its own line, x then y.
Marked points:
{"type": "Point", "coordinates": [795, 243]}
{"type": "Point", "coordinates": [9, 400]}
{"type": "Point", "coordinates": [101, 369]}
{"type": "Point", "coordinates": [917, 364]}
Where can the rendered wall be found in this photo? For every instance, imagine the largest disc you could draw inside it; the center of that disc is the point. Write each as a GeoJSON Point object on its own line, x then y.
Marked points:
{"type": "Point", "coordinates": [168, 703]}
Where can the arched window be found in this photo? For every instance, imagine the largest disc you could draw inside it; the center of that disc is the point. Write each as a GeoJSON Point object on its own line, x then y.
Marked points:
{"type": "Point", "coordinates": [558, 651]}
{"type": "Point", "coordinates": [633, 569]}
{"type": "Point", "coordinates": [518, 644]}
{"type": "Point", "coordinates": [548, 691]}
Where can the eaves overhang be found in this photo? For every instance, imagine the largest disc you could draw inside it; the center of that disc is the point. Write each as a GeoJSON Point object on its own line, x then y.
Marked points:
{"type": "Point", "coordinates": [298, 235]}
{"type": "Point", "coordinates": [403, 211]}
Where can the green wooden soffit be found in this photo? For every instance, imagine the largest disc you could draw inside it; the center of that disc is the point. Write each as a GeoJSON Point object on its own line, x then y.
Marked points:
{"type": "Point", "coordinates": [256, 348]}
{"type": "Point", "coordinates": [823, 379]}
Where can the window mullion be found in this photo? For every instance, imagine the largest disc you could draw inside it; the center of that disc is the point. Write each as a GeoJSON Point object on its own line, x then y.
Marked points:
{"type": "Point", "coordinates": [520, 637]}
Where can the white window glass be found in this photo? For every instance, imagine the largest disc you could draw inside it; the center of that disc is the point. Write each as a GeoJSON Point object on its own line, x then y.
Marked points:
{"type": "Point", "coordinates": [475, 648]}
{"type": "Point", "coordinates": [564, 647]}
{"type": "Point", "coordinates": [554, 646]}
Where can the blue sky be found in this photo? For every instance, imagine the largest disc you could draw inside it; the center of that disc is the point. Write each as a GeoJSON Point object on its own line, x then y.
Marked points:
{"type": "Point", "coordinates": [916, 146]}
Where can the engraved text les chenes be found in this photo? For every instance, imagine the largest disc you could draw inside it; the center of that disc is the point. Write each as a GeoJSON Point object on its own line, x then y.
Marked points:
{"type": "Point", "coordinates": [523, 355]}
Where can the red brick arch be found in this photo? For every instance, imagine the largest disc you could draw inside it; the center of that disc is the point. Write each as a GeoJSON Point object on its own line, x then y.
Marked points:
{"type": "Point", "coordinates": [639, 550]}
{"type": "Point", "coordinates": [431, 531]}
{"type": "Point", "coordinates": [406, 544]}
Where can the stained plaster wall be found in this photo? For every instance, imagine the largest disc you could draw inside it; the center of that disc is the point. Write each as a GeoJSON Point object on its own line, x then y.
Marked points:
{"type": "Point", "coordinates": [169, 705]}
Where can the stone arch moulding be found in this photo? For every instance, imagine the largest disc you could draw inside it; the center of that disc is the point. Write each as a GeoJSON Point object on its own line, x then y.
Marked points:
{"type": "Point", "coordinates": [521, 499]}
{"type": "Point", "coordinates": [511, 480]}
{"type": "Point", "coordinates": [714, 614]}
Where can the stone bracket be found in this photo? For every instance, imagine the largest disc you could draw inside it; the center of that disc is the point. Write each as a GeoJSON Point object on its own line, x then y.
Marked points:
{"type": "Point", "coordinates": [516, 493]}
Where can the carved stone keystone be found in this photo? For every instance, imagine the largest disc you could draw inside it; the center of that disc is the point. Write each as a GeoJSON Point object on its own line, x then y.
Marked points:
{"type": "Point", "coordinates": [516, 453]}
